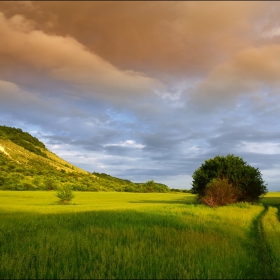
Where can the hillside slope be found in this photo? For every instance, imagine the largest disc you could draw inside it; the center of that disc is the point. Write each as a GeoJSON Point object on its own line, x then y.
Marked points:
{"type": "Point", "coordinates": [26, 164]}
{"type": "Point", "coordinates": [24, 148]}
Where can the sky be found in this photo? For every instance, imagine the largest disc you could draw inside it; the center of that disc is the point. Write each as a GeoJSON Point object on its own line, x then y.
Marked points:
{"type": "Point", "coordinates": [145, 90]}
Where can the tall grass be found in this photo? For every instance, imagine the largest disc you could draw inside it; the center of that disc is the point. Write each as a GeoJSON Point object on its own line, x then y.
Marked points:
{"type": "Point", "coordinates": [119, 235]}
{"type": "Point", "coordinates": [271, 227]}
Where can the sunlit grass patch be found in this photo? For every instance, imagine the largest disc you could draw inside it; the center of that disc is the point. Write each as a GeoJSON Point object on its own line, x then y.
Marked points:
{"type": "Point", "coordinates": [47, 202]}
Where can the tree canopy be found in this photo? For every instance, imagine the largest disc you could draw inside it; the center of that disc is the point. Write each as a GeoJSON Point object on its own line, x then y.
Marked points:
{"type": "Point", "coordinates": [246, 180]}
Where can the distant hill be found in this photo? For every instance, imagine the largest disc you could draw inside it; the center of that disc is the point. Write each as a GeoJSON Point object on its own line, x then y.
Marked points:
{"type": "Point", "coordinates": [26, 164]}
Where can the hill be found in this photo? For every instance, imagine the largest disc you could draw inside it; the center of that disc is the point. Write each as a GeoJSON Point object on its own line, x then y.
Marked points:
{"type": "Point", "coordinates": [26, 164]}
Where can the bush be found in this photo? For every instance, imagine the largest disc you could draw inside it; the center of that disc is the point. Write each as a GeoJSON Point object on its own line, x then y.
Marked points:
{"type": "Point", "coordinates": [245, 179]}
{"type": "Point", "coordinates": [65, 194]}
{"type": "Point", "coordinates": [219, 192]}
{"type": "Point", "coordinates": [50, 184]}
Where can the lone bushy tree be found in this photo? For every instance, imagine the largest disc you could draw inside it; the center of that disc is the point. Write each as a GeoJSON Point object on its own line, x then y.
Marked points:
{"type": "Point", "coordinates": [245, 180]}
{"type": "Point", "coordinates": [65, 194]}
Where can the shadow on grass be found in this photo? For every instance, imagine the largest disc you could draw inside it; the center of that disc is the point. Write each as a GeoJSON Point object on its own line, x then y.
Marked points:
{"type": "Point", "coordinates": [271, 201]}
{"type": "Point", "coordinates": [53, 222]}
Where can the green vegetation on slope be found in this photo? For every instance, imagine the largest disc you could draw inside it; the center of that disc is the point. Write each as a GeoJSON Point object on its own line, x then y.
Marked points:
{"type": "Point", "coordinates": [128, 186]}
{"type": "Point", "coordinates": [130, 236]}
{"type": "Point", "coordinates": [23, 139]}
{"type": "Point", "coordinates": [26, 164]}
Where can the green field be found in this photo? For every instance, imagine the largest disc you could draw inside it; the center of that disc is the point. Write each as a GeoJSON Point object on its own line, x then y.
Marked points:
{"type": "Point", "coordinates": [136, 236]}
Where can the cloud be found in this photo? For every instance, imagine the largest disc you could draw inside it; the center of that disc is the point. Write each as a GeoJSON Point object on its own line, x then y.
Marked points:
{"type": "Point", "coordinates": [65, 59]}
{"type": "Point", "coordinates": [8, 88]}
{"type": "Point", "coordinates": [126, 144]}
{"type": "Point", "coordinates": [246, 74]}
{"type": "Point", "coordinates": [260, 148]}
{"type": "Point", "coordinates": [12, 96]}
{"type": "Point", "coordinates": [37, 108]}
{"type": "Point", "coordinates": [174, 39]}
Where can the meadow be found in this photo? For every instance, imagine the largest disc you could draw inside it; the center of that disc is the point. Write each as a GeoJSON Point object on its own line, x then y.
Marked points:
{"type": "Point", "coordinates": [136, 236]}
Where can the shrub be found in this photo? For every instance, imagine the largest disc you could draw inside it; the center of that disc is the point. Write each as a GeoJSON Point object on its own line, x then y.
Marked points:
{"type": "Point", "coordinates": [65, 194]}
{"type": "Point", "coordinates": [245, 179]}
{"type": "Point", "coordinates": [219, 192]}
{"type": "Point", "coordinates": [50, 184]}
